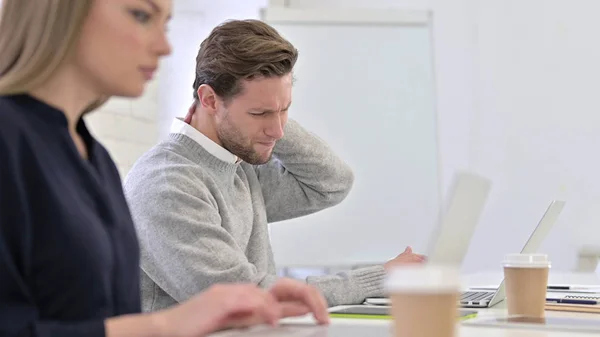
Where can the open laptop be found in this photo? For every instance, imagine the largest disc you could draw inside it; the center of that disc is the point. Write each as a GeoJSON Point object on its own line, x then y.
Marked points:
{"type": "Point", "coordinates": [447, 254]}
{"type": "Point", "coordinates": [488, 298]}
{"type": "Point", "coordinates": [466, 201]}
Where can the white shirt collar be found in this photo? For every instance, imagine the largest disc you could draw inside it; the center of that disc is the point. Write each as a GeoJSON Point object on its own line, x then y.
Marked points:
{"type": "Point", "coordinates": [180, 127]}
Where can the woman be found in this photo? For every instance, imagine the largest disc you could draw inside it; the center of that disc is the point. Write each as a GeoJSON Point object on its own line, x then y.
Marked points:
{"type": "Point", "coordinates": [69, 260]}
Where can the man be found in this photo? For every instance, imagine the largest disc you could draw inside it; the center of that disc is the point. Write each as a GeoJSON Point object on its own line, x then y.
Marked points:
{"type": "Point", "coordinates": [202, 199]}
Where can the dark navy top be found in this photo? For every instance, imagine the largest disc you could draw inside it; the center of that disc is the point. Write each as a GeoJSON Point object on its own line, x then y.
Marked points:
{"type": "Point", "coordinates": [69, 254]}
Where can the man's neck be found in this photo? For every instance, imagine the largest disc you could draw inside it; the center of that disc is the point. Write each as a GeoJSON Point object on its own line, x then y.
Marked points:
{"type": "Point", "coordinates": [201, 122]}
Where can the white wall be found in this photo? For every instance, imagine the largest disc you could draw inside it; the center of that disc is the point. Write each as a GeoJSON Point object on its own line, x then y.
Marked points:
{"type": "Point", "coordinates": [537, 124]}
{"type": "Point", "coordinates": [128, 127]}
{"type": "Point", "coordinates": [517, 83]}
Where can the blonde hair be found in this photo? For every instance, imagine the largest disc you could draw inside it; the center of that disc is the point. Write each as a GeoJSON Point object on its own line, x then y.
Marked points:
{"type": "Point", "coordinates": [36, 37]}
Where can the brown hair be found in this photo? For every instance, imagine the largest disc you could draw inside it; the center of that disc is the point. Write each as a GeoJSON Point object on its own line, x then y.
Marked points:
{"type": "Point", "coordinates": [241, 49]}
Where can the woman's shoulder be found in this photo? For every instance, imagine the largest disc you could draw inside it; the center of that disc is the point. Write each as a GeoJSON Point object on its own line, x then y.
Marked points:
{"type": "Point", "coordinates": [11, 114]}
{"type": "Point", "coordinates": [13, 125]}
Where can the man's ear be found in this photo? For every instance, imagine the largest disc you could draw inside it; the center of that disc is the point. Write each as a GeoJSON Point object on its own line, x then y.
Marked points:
{"type": "Point", "coordinates": [207, 99]}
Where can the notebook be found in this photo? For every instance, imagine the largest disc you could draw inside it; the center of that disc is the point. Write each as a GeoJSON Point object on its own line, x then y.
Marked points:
{"type": "Point", "coordinates": [575, 303]}
{"type": "Point", "coordinates": [380, 312]}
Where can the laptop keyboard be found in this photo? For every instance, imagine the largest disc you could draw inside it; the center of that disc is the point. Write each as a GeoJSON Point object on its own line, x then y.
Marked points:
{"type": "Point", "coordinates": [476, 298]}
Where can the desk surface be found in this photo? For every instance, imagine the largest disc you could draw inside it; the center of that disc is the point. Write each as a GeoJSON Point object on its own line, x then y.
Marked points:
{"type": "Point", "coordinates": [305, 327]}
{"type": "Point", "coordinates": [383, 329]}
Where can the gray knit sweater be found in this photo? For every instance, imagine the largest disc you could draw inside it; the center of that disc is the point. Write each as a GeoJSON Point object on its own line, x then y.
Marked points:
{"type": "Point", "coordinates": [202, 221]}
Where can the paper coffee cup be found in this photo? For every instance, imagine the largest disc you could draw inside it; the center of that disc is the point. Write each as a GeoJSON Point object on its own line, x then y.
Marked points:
{"type": "Point", "coordinates": [424, 300]}
{"type": "Point", "coordinates": [526, 277]}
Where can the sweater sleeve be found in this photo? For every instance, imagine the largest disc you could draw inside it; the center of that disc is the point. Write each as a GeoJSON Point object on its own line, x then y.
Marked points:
{"type": "Point", "coordinates": [304, 177]}
{"type": "Point", "coordinates": [351, 287]}
{"type": "Point", "coordinates": [18, 312]}
{"type": "Point", "coordinates": [185, 248]}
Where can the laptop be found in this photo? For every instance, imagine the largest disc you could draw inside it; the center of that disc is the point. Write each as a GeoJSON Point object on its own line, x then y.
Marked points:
{"type": "Point", "coordinates": [450, 243]}
{"type": "Point", "coordinates": [488, 298]}
{"type": "Point", "coordinates": [467, 198]}
{"type": "Point", "coordinates": [474, 298]}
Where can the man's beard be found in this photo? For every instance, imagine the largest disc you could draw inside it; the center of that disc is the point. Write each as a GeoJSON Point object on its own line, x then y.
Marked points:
{"type": "Point", "coordinates": [234, 142]}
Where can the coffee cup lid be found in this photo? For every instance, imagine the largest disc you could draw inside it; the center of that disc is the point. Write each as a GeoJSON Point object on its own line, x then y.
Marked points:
{"type": "Point", "coordinates": [423, 278]}
{"type": "Point", "coordinates": [526, 261]}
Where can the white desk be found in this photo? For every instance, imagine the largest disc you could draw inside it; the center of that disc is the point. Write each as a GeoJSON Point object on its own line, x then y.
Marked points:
{"type": "Point", "coordinates": [305, 327]}
{"type": "Point", "coordinates": [369, 328]}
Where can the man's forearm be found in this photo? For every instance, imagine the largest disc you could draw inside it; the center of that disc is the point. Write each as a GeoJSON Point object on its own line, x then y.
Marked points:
{"type": "Point", "coordinates": [351, 287]}
{"type": "Point", "coordinates": [306, 177]}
